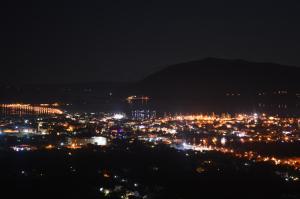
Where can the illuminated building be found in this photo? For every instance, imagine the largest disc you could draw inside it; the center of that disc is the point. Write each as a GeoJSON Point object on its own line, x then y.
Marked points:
{"type": "Point", "coordinates": [140, 108]}
{"type": "Point", "coordinates": [143, 114]}
{"type": "Point", "coordinates": [78, 142]}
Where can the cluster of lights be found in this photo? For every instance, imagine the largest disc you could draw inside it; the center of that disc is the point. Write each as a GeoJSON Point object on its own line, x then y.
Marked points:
{"type": "Point", "coordinates": [32, 108]}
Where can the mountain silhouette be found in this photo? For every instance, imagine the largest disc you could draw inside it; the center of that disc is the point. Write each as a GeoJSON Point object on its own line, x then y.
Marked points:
{"type": "Point", "coordinates": [224, 84]}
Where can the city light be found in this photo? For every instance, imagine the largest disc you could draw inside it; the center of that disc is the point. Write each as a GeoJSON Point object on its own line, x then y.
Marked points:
{"type": "Point", "coordinates": [118, 116]}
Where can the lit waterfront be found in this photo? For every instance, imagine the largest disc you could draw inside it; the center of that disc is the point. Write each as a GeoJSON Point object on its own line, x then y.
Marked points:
{"type": "Point", "coordinates": [27, 109]}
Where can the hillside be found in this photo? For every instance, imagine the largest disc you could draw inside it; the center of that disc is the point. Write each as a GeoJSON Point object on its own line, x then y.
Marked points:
{"type": "Point", "coordinates": [221, 83]}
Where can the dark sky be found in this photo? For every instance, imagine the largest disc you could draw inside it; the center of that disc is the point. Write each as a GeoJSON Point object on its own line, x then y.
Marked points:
{"type": "Point", "coordinates": [71, 41]}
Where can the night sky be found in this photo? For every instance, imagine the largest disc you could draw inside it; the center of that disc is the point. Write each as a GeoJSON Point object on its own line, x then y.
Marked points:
{"type": "Point", "coordinates": [79, 41]}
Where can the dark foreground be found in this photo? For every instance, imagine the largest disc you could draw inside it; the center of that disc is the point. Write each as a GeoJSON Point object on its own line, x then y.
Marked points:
{"type": "Point", "coordinates": [136, 170]}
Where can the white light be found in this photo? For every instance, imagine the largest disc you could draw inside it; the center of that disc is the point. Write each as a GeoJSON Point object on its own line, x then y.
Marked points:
{"type": "Point", "coordinates": [223, 141]}
{"type": "Point", "coordinates": [118, 116]}
{"type": "Point", "coordinates": [141, 126]}
{"type": "Point", "coordinates": [286, 132]}
{"type": "Point", "coordinates": [172, 131]}
{"type": "Point", "coordinates": [100, 141]}
{"type": "Point", "coordinates": [106, 192]}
